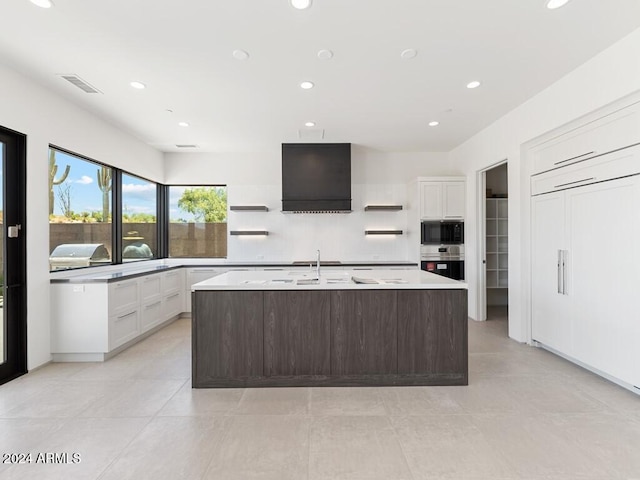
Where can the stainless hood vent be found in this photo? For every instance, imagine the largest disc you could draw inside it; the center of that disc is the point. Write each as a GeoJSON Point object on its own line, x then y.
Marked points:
{"type": "Point", "coordinates": [316, 177]}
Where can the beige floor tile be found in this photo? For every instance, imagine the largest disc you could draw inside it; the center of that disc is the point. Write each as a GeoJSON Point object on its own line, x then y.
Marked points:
{"type": "Point", "coordinates": [202, 401]}
{"type": "Point", "coordinates": [448, 447]}
{"type": "Point", "coordinates": [97, 442]}
{"type": "Point", "coordinates": [262, 447]}
{"type": "Point", "coordinates": [490, 394]}
{"type": "Point", "coordinates": [355, 448]}
{"type": "Point", "coordinates": [139, 398]}
{"type": "Point", "coordinates": [346, 401]}
{"type": "Point", "coordinates": [169, 448]}
{"type": "Point", "coordinates": [274, 401]}
{"type": "Point", "coordinates": [419, 401]}
{"type": "Point", "coordinates": [539, 445]}
{"type": "Point", "coordinates": [63, 399]}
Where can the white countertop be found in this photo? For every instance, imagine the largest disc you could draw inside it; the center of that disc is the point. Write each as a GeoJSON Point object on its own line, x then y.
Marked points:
{"type": "Point", "coordinates": [329, 280]}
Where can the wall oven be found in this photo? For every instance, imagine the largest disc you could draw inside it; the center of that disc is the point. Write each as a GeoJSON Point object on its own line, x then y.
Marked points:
{"type": "Point", "coordinates": [445, 260]}
{"type": "Point", "coordinates": [442, 232]}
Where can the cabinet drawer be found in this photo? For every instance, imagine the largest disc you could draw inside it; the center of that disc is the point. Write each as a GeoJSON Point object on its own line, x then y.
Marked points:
{"type": "Point", "coordinates": [150, 287]}
{"type": "Point", "coordinates": [123, 296]}
{"type": "Point", "coordinates": [606, 167]}
{"type": "Point", "coordinates": [196, 275]}
{"type": "Point", "coordinates": [616, 130]}
{"type": "Point", "coordinates": [151, 315]}
{"type": "Point", "coordinates": [172, 281]}
{"type": "Point", "coordinates": [122, 328]}
{"type": "Point", "coordinates": [172, 305]}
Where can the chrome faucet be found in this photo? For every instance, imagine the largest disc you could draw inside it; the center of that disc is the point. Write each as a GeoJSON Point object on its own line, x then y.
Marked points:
{"type": "Point", "coordinates": [318, 264]}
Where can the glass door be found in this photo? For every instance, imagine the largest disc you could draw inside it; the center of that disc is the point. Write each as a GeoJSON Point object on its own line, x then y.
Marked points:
{"type": "Point", "coordinates": [13, 350]}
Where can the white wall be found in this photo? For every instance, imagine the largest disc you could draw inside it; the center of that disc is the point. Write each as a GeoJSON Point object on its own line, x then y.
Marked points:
{"type": "Point", "coordinates": [611, 75]}
{"type": "Point", "coordinates": [255, 179]}
{"type": "Point", "coordinates": [46, 118]}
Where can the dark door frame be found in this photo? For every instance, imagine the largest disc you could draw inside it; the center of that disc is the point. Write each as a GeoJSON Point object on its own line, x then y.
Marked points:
{"type": "Point", "coordinates": [14, 180]}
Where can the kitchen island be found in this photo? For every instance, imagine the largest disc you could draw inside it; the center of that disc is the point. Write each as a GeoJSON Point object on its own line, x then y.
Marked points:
{"type": "Point", "coordinates": [345, 328]}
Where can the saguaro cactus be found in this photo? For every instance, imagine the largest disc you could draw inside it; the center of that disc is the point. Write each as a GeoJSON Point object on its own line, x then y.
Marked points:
{"type": "Point", "coordinates": [53, 169]}
{"type": "Point", "coordinates": [104, 183]}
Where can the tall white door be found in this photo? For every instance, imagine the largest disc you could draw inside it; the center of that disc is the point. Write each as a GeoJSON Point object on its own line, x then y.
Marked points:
{"type": "Point", "coordinates": [604, 275]}
{"type": "Point", "coordinates": [551, 322]}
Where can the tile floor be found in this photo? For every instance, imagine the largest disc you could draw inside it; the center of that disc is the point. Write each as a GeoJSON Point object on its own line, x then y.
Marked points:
{"type": "Point", "coordinates": [526, 414]}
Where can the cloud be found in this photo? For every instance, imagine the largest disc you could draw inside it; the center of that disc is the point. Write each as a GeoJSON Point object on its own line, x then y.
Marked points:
{"type": "Point", "coordinates": [84, 180]}
{"type": "Point", "coordinates": [143, 192]}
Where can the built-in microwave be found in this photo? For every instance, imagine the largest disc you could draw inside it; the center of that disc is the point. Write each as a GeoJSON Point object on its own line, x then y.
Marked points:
{"type": "Point", "coordinates": [442, 232]}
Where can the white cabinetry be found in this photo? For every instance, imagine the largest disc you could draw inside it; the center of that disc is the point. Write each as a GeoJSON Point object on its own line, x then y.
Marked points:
{"type": "Point", "coordinates": [442, 199]}
{"type": "Point", "coordinates": [616, 130]}
{"type": "Point", "coordinates": [585, 274]}
{"type": "Point", "coordinates": [497, 243]}
{"type": "Point", "coordinates": [92, 320]}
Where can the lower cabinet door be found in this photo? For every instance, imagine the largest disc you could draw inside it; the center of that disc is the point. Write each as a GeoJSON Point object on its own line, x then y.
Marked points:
{"type": "Point", "coordinates": [122, 328]}
{"type": "Point", "coordinates": [152, 315]}
{"type": "Point", "coordinates": [172, 305]}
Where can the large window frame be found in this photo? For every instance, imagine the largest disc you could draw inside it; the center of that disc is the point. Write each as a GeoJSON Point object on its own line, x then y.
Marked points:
{"type": "Point", "coordinates": [118, 228]}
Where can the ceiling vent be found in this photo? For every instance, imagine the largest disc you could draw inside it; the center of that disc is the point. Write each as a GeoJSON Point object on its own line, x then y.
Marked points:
{"type": "Point", "coordinates": [80, 83]}
{"type": "Point", "coordinates": [186, 146]}
{"type": "Point", "coordinates": [311, 134]}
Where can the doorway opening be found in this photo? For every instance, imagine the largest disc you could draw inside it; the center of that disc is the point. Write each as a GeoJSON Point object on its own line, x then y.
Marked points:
{"type": "Point", "coordinates": [494, 292]}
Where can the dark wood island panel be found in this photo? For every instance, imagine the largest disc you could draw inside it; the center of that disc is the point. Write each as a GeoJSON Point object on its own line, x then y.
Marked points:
{"type": "Point", "coordinates": [254, 338]}
{"type": "Point", "coordinates": [364, 332]}
{"type": "Point", "coordinates": [296, 333]}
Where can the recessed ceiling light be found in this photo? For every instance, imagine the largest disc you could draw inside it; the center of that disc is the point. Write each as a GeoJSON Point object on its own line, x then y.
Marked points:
{"type": "Point", "coordinates": [553, 4]}
{"type": "Point", "coordinates": [240, 54]}
{"type": "Point", "coordinates": [474, 84]}
{"type": "Point", "coordinates": [183, 124]}
{"type": "Point", "coordinates": [434, 124]}
{"type": "Point", "coordinates": [306, 85]}
{"type": "Point", "coordinates": [300, 4]}
{"type": "Point", "coordinates": [325, 54]}
{"type": "Point", "coordinates": [409, 53]}
{"type": "Point", "coordinates": [138, 85]}
{"type": "Point", "coordinates": [43, 3]}
{"type": "Point", "coordinates": [310, 124]}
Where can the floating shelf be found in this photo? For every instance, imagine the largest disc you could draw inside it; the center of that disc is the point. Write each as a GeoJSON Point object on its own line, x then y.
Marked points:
{"type": "Point", "coordinates": [383, 232]}
{"type": "Point", "coordinates": [249, 208]}
{"type": "Point", "coordinates": [387, 208]}
{"type": "Point", "coordinates": [249, 232]}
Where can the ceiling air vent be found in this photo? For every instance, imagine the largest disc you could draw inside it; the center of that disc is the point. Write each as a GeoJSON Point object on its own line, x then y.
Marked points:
{"type": "Point", "coordinates": [311, 134]}
{"type": "Point", "coordinates": [186, 146]}
{"type": "Point", "coordinates": [80, 83]}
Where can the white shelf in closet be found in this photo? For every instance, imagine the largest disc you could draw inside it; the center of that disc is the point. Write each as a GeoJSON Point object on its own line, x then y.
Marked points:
{"type": "Point", "coordinates": [497, 241]}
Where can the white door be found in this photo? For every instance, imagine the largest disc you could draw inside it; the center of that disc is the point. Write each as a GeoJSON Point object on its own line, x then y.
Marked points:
{"type": "Point", "coordinates": [453, 200]}
{"type": "Point", "coordinates": [431, 200]}
{"type": "Point", "coordinates": [604, 276]}
{"type": "Point", "coordinates": [550, 319]}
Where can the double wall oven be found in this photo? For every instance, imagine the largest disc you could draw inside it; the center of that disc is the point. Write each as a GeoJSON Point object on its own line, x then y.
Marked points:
{"type": "Point", "coordinates": [442, 248]}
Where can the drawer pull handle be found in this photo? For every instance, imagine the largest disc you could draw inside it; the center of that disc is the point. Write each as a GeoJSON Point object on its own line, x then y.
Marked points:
{"type": "Point", "coordinates": [148, 307]}
{"type": "Point", "coordinates": [122, 317]}
{"type": "Point", "coordinates": [574, 158]}
{"type": "Point", "coordinates": [173, 296]}
{"type": "Point", "coordinates": [577, 181]}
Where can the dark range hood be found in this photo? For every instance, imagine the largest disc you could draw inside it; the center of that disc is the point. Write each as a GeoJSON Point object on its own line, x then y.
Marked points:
{"type": "Point", "coordinates": [316, 177]}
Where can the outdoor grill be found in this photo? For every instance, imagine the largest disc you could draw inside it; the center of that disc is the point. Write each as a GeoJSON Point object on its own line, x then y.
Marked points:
{"type": "Point", "coordinates": [73, 255]}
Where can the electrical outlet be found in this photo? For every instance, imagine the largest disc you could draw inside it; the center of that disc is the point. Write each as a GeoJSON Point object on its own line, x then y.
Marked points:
{"type": "Point", "coordinates": [260, 257]}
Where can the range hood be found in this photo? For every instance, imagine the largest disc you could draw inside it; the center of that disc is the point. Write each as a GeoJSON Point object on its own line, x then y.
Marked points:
{"type": "Point", "coordinates": [316, 177]}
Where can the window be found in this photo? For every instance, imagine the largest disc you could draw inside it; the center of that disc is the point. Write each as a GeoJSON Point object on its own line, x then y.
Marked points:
{"type": "Point", "coordinates": [197, 221]}
{"type": "Point", "coordinates": [80, 233]}
{"type": "Point", "coordinates": [139, 214]}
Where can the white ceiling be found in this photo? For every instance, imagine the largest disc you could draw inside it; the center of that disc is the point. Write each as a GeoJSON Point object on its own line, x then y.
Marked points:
{"type": "Point", "coordinates": [366, 94]}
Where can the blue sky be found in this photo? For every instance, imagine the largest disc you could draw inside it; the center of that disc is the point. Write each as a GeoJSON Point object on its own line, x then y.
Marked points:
{"type": "Point", "coordinates": [138, 195]}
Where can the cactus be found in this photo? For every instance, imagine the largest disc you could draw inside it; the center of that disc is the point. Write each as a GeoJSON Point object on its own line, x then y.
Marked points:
{"type": "Point", "coordinates": [104, 183]}
{"type": "Point", "coordinates": [53, 169]}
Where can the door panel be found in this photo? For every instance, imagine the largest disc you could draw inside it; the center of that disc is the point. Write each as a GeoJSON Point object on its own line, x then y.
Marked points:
{"type": "Point", "coordinates": [13, 351]}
